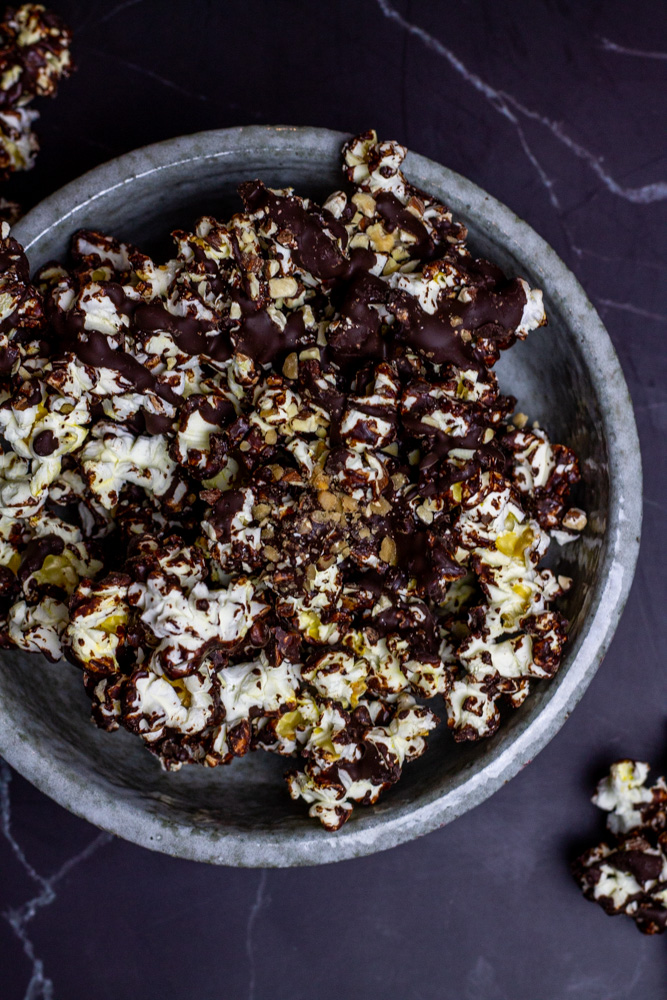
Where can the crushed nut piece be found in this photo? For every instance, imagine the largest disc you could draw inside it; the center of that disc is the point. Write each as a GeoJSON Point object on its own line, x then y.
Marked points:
{"type": "Point", "coordinates": [291, 366]}
{"type": "Point", "coordinates": [388, 550]}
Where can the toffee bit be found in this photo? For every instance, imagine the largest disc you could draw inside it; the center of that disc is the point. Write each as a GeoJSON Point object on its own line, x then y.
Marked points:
{"type": "Point", "coordinates": [388, 550]}
{"type": "Point", "coordinates": [291, 366]}
{"type": "Point", "coordinates": [328, 501]}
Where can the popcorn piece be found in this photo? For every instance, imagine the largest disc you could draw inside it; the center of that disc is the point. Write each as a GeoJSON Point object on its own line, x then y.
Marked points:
{"type": "Point", "coordinates": [20, 305]}
{"type": "Point", "coordinates": [338, 676]}
{"type": "Point", "coordinates": [332, 784]}
{"type": "Point", "coordinates": [546, 473]}
{"type": "Point", "coordinates": [252, 694]}
{"type": "Point", "coordinates": [472, 710]}
{"type": "Point", "coordinates": [232, 534]}
{"type": "Point", "coordinates": [56, 557]}
{"type": "Point", "coordinates": [18, 143]}
{"type": "Point", "coordinates": [98, 620]}
{"type": "Point", "coordinates": [156, 704]}
{"type": "Point", "coordinates": [629, 803]}
{"type": "Point", "coordinates": [114, 457]}
{"type": "Point", "coordinates": [631, 875]}
{"type": "Point", "coordinates": [185, 617]}
{"type": "Point", "coordinates": [369, 421]}
{"type": "Point", "coordinates": [246, 687]}
{"type": "Point", "coordinates": [37, 628]}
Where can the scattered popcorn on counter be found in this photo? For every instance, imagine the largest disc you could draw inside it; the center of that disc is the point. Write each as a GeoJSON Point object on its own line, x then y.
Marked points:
{"type": "Point", "coordinates": [630, 876]}
{"type": "Point", "coordinates": [34, 57]}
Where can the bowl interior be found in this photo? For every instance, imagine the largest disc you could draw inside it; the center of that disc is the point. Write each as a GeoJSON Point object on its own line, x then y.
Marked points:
{"type": "Point", "coordinates": [548, 375]}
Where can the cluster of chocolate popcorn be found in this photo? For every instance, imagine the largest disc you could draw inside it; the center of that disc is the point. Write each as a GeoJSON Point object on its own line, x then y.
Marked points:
{"type": "Point", "coordinates": [34, 57]}
{"type": "Point", "coordinates": [630, 876]}
{"type": "Point", "coordinates": [268, 495]}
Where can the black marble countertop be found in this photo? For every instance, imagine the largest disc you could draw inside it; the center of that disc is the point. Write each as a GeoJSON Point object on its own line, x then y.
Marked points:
{"type": "Point", "coordinates": [555, 108]}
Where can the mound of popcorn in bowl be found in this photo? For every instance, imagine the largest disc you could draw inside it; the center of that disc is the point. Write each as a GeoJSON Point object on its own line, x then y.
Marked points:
{"type": "Point", "coordinates": [267, 495]}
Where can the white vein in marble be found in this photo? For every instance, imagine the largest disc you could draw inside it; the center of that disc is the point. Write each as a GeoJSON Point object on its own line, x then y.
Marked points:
{"type": "Point", "coordinates": [635, 310]}
{"type": "Point", "coordinates": [508, 106]}
{"type": "Point", "coordinates": [258, 902]}
{"type": "Point", "coordinates": [622, 50]}
{"type": "Point", "coordinates": [40, 986]}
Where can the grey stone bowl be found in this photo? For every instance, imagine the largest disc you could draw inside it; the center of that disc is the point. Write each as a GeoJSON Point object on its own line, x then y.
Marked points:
{"type": "Point", "coordinates": [567, 377]}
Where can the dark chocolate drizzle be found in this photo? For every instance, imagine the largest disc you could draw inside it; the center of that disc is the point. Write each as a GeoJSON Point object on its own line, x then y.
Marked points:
{"type": "Point", "coordinates": [223, 513]}
{"type": "Point", "coordinates": [45, 443]}
{"type": "Point", "coordinates": [259, 338]}
{"type": "Point", "coordinates": [189, 332]}
{"type": "Point", "coordinates": [642, 866]}
{"type": "Point", "coordinates": [36, 552]}
{"type": "Point", "coordinates": [316, 251]}
{"type": "Point", "coordinates": [396, 216]}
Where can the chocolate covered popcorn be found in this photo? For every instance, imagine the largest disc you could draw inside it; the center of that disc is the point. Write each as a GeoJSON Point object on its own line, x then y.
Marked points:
{"type": "Point", "coordinates": [630, 874]}
{"type": "Point", "coordinates": [34, 57]}
{"type": "Point", "coordinates": [268, 496]}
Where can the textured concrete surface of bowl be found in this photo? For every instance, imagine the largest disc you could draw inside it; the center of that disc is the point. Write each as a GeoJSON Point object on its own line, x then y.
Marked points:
{"type": "Point", "coordinates": [566, 376]}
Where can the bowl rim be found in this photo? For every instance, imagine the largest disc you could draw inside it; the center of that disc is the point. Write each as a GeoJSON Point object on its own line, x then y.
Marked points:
{"type": "Point", "coordinates": [311, 845]}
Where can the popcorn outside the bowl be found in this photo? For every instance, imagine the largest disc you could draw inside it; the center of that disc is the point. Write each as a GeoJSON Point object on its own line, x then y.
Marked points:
{"type": "Point", "coordinates": [629, 875]}
{"type": "Point", "coordinates": [267, 495]}
{"type": "Point", "coordinates": [34, 57]}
